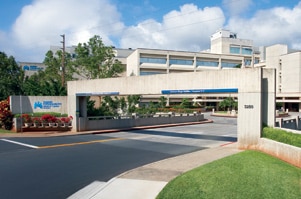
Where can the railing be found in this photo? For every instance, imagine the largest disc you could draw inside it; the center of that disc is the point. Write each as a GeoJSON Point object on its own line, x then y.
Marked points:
{"type": "Point", "coordinates": [135, 120]}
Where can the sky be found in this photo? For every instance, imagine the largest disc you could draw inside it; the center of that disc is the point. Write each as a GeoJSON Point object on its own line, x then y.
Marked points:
{"type": "Point", "coordinates": [29, 27]}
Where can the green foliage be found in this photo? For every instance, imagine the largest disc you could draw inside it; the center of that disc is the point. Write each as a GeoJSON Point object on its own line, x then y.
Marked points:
{"type": "Point", "coordinates": [109, 106]}
{"type": "Point", "coordinates": [49, 82]}
{"type": "Point", "coordinates": [282, 136]}
{"type": "Point", "coordinates": [40, 114]}
{"type": "Point", "coordinates": [229, 102]}
{"type": "Point", "coordinates": [11, 77]}
{"type": "Point", "coordinates": [6, 116]}
{"type": "Point", "coordinates": [94, 60]}
{"type": "Point", "coordinates": [132, 100]}
{"type": "Point", "coordinates": [185, 103]}
{"type": "Point", "coordinates": [162, 101]}
{"type": "Point", "coordinates": [249, 174]}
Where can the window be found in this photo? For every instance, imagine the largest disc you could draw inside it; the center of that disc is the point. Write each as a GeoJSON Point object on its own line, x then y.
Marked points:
{"type": "Point", "coordinates": [144, 73]}
{"type": "Point", "coordinates": [230, 65]}
{"type": "Point", "coordinates": [246, 51]}
{"type": "Point", "coordinates": [181, 62]}
{"type": "Point", "coordinates": [248, 62]}
{"type": "Point", "coordinates": [234, 49]}
{"type": "Point", "coordinates": [207, 63]}
{"type": "Point", "coordinates": [152, 60]}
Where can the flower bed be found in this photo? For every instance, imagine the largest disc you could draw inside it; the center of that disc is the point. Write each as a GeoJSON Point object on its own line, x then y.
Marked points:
{"type": "Point", "coordinates": [45, 123]}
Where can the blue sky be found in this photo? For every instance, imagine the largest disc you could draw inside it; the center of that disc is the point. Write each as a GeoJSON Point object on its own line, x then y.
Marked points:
{"type": "Point", "coordinates": [29, 27]}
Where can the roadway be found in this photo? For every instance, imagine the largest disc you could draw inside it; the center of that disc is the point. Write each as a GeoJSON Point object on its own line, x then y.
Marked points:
{"type": "Point", "coordinates": [57, 167]}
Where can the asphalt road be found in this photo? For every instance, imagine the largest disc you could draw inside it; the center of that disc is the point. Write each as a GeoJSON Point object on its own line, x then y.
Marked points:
{"type": "Point", "coordinates": [57, 167]}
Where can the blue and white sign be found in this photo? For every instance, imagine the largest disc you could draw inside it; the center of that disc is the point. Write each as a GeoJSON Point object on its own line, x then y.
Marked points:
{"type": "Point", "coordinates": [32, 68]}
{"type": "Point", "coordinates": [196, 91]}
{"type": "Point", "coordinates": [46, 104]}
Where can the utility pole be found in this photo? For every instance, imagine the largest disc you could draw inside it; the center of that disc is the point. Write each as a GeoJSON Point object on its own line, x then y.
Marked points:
{"type": "Point", "coordinates": [63, 61]}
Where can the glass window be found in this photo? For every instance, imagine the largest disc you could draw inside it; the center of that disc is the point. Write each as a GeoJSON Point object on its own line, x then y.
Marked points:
{"type": "Point", "coordinates": [234, 49]}
{"type": "Point", "coordinates": [247, 51]}
{"type": "Point", "coordinates": [181, 62]}
{"type": "Point", "coordinates": [143, 73]}
{"type": "Point", "coordinates": [152, 60]}
{"type": "Point", "coordinates": [248, 62]}
{"type": "Point", "coordinates": [230, 65]}
{"type": "Point", "coordinates": [207, 63]}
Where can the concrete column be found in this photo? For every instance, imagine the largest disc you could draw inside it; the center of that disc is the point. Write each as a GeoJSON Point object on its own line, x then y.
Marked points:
{"type": "Point", "coordinates": [194, 63]}
{"type": "Point", "coordinates": [167, 62]}
{"type": "Point", "coordinates": [256, 106]}
{"type": "Point", "coordinates": [220, 63]}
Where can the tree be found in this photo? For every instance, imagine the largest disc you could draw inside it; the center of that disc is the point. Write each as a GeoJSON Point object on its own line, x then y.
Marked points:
{"type": "Point", "coordinates": [162, 101]}
{"type": "Point", "coordinates": [11, 77]}
{"type": "Point", "coordinates": [49, 82]}
{"type": "Point", "coordinates": [185, 103]}
{"type": "Point", "coordinates": [133, 100]}
{"type": "Point", "coordinates": [229, 102]}
{"type": "Point", "coordinates": [94, 60]}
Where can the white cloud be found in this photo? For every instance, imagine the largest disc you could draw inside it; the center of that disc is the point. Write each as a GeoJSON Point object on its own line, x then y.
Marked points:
{"type": "Point", "coordinates": [272, 26]}
{"type": "Point", "coordinates": [41, 23]}
{"type": "Point", "coordinates": [186, 29]}
{"type": "Point", "coordinates": [189, 28]}
{"type": "Point", "coordinates": [236, 7]}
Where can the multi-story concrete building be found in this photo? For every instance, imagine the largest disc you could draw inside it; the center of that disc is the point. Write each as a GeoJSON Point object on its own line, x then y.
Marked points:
{"type": "Point", "coordinates": [227, 51]}
{"type": "Point", "coordinates": [288, 81]}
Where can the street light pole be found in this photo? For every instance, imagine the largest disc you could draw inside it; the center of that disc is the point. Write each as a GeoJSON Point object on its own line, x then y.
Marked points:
{"type": "Point", "coordinates": [63, 61]}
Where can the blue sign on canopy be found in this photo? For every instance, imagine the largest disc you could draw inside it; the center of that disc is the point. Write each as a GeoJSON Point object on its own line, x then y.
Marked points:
{"type": "Point", "coordinates": [196, 91]}
{"type": "Point", "coordinates": [98, 94]}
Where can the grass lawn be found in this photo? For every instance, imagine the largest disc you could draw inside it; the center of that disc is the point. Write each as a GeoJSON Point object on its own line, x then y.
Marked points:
{"type": "Point", "coordinates": [249, 174]}
{"type": "Point", "coordinates": [4, 131]}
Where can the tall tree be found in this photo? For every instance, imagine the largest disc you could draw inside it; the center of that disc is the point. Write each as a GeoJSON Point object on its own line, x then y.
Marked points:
{"type": "Point", "coordinates": [11, 76]}
{"type": "Point", "coordinates": [49, 82]}
{"type": "Point", "coordinates": [94, 60]}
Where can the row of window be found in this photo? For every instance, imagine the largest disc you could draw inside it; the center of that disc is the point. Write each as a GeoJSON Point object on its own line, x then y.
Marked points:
{"type": "Point", "coordinates": [187, 62]}
{"type": "Point", "coordinates": [238, 50]}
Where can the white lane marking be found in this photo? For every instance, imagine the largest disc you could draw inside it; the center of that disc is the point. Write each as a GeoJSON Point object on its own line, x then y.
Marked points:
{"type": "Point", "coordinates": [20, 143]}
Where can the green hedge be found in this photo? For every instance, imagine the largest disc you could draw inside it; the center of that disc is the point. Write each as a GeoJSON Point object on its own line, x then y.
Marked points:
{"type": "Point", "coordinates": [40, 114]}
{"type": "Point", "coordinates": [283, 136]}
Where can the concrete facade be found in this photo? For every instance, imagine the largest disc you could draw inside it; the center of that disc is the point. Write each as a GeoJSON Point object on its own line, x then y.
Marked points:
{"type": "Point", "coordinates": [251, 96]}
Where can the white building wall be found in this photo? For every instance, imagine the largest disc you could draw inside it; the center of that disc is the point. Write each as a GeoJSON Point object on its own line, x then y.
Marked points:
{"type": "Point", "coordinates": [290, 73]}
{"type": "Point", "coordinates": [132, 67]}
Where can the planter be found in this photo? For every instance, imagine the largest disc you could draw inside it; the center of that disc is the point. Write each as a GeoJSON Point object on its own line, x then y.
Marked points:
{"type": "Point", "coordinates": [35, 125]}
{"type": "Point", "coordinates": [27, 125]}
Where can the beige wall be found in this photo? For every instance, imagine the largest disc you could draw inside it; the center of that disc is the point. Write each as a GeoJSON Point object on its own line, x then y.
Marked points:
{"type": "Point", "coordinates": [290, 72]}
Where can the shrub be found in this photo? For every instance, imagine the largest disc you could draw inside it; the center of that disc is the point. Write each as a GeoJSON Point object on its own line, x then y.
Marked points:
{"type": "Point", "coordinates": [66, 119]}
{"type": "Point", "coordinates": [282, 136]}
{"type": "Point", "coordinates": [6, 116]}
{"type": "Point", "coordinates": [26, 118]}
{"type": "Point", "coordinates": [48, 118]}
{"type": "Point", "coordinates": [36, 120]}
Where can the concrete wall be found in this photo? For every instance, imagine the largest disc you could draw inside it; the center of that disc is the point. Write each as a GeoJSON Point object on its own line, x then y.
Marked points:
{"type": "Point", "coordinates": [288, 153]}
{"type": "Point", "coordinates": [86, 124]}
{"type": "Point", "coordinates": [30, 104]}
{"type": "Point", "coordinates": [248, 82]}
{"type": "Point", "coordinates": [290, 73]}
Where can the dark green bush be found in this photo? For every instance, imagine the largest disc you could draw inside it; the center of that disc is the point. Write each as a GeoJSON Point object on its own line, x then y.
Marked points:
{"type": "Point", "coordinates": [40, 114]}
{"type": "Point", "coordinates": [283, 136]}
